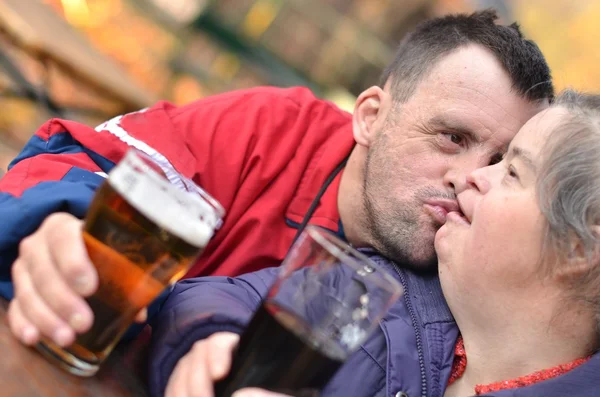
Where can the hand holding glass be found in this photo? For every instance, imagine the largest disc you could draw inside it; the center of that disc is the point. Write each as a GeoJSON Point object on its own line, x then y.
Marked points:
{"type": "Point", "coordinates": [327, 299]}
{"type": "Point", "coordinates": [144, 228]}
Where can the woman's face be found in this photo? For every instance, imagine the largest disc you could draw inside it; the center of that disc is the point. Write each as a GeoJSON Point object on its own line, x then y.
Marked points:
{"type": "Point", "coordinates": [495, 249]}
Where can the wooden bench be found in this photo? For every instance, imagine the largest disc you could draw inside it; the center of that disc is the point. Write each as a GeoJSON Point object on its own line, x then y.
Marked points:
{"type": "Point", "coordinates": [40, 31]}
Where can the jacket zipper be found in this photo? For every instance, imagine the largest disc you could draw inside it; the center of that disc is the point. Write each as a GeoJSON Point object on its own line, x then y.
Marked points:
{"type": "Point", "coordinates": [413, 319]}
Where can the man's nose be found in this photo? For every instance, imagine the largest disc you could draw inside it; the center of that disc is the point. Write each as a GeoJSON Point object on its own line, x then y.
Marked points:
{"type": "Point", "coordinates": [455, 181]}
{"type": "Point", "coordinates": [458, 171]}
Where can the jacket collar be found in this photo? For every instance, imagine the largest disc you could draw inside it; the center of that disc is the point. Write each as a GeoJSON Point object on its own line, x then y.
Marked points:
{"type": "Point", "coordinates": [326, 157]}
{"type": "Point", "coordinates": [425, 290]}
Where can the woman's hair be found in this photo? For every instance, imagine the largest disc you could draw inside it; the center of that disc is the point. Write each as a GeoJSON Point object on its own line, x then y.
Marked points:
{"type": "Point", "coordinates": [569, 191]}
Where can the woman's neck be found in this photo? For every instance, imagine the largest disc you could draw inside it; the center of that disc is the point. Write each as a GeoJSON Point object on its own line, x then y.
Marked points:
{"type": "Point", "coordinates": [525, 341]}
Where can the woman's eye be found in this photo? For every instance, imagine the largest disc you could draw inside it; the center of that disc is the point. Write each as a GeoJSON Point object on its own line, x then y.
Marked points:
{"type": "Point", "coordinates": [512, 172]}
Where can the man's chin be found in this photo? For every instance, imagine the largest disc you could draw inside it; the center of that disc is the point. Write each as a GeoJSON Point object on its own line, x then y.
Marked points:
{"type": "Point", "coordinates": [416, 261]}
{"type": "Point", "coordinates": [406, 247]}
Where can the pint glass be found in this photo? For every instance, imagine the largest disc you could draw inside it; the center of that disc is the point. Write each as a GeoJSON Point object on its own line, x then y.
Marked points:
{"type": "Point", "coordinates": [144, 228]}
{"type": "Point", "coordinates": [326, 301]}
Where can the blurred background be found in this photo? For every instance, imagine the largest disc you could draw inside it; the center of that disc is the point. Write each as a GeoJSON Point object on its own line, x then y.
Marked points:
{"type": "Point", "coordinates": [90, 60]}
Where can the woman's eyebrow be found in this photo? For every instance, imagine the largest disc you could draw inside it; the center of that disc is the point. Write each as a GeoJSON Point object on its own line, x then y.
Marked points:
{"type": "Point", "coordinates": [524, 156]}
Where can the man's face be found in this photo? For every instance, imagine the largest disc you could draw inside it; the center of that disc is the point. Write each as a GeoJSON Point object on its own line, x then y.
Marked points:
{"type": "Point", "coordinates": [461, 117]}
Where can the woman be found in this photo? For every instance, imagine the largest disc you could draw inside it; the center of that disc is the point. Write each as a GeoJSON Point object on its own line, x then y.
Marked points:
{"type": "Point", "coordinates": [519, 268]}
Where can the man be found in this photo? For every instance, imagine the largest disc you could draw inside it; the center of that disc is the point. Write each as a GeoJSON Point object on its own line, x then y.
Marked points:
{"type": "Point", "coordinates": [457, 92]}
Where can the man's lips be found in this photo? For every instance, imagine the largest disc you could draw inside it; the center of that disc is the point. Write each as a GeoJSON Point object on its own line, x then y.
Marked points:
{"type": "Point", "coordinates": [439, 209]}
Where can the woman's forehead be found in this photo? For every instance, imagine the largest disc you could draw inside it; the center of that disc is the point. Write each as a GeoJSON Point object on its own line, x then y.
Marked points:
{"type": "Point", "coordinates": [538, 129]}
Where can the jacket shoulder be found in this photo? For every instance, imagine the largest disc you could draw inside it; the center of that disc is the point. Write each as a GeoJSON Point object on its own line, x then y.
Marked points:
{"type": "Point", "coordinates": [267, 98]}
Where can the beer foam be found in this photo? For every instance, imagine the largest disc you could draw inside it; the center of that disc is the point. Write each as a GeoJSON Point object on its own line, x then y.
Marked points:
{"type": "Point", "coordinates": [184, 214]}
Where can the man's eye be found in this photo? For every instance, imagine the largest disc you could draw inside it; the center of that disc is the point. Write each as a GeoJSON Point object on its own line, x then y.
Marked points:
{"type": "Point", "coordinates": [496, 159]}
{"type": "Point", "coordinates": [454, 138]}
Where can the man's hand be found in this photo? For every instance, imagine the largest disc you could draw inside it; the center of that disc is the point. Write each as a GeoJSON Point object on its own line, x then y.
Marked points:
{"type": "Point", "coordinates": [208, 361]}
{"type": "Point", "coordinates": [51, 276]}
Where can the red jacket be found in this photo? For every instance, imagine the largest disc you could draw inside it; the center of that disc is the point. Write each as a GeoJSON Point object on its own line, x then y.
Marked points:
{"type": "Point", "coordinates": [263, 153]}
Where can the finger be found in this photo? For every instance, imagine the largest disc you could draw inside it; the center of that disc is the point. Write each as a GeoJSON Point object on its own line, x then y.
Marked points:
{"type": "Point", "coordinates": [254, 392]}
{"type": "Point", "coordinates": [199, 381]}
{"type": "Point", "coordinates": [19, 326]}
{"type": "Point", "coordinates": [220, 348]}
{"type": "Point", "coordinates": [37, 312]}
{"type": "Point", "coordinates": [142, 316]}
{"type": "Point", "coordinates": [69, 253]}
{"type": "Point", "coordinates": [177, 385]}
{"type": "Point", "coordinates": [52, 287]}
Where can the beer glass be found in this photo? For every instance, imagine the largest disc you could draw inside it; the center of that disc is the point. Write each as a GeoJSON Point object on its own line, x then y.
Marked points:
{"type": "Point", "coordinates": [326, 300]}
{"type": "Point", "coordinates": [144, 228]}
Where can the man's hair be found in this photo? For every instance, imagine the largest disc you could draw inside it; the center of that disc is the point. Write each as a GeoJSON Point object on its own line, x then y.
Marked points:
{"type": "Point", "coordinates": [421, 49]}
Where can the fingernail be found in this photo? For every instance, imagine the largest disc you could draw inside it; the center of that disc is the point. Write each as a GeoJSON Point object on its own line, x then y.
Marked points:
{"type": "Point", "coordinates": [83, 284]}
{"type": "Point", "coordinates": [77, 322]}
{"type": "Point", "coordinates": [29, 335]}
{"type": "Point", "coordinates": [244, 393]}
{"type": "Point", "coordinates": [62, 337]}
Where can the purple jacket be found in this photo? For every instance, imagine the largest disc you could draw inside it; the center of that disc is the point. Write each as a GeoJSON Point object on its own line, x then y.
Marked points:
{"type": "Point", "coordinates": [411, 352]}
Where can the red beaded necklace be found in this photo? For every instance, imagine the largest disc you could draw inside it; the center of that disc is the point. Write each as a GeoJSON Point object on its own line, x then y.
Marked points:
{"type": "Point", "coordinates": [460, 364]}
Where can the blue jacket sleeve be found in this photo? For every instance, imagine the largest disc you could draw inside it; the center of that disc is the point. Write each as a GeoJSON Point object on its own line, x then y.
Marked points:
{"type": "Point", "coordinates": [200, 307]}
{"type": "Point", "coordinates": [197, 308]}
{"type": "Point", "coordinates": [55, 174]}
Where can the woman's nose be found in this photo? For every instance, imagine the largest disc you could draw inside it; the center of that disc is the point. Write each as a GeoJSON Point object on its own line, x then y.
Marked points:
{"type": "Point", "coordinates": [480, 179]}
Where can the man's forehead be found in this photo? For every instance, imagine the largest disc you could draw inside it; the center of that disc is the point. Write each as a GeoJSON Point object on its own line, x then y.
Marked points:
{"type": "Point", "coordinates": [472, 82]}
{"type": "Point", "coordinates": [469, 61]}
{"type": "Point", "coordinates": [468, 91]}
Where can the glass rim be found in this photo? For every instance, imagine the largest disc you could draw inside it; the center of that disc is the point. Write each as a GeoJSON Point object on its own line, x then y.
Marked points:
{"type": "Point", "coordinates": [187, 182]}
{"type": "Point", "coordinates": [205, 195]}
{"type": "Point", "coordinates": [351, 256]}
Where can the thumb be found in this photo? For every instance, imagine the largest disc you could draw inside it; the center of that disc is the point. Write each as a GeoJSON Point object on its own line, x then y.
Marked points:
{"type": "Point", "coordinates": [142, 316]}
{"type": "Point", "coordinates": [220, 348]}
{"type": "Point", "coordinates": [255, 392]}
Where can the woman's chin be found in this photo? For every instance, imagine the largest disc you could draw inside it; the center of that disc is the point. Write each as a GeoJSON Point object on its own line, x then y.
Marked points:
{"type": "Point", "coordinates": [443, 232]}
{"type": "Point", "coordinates": [445, 239]}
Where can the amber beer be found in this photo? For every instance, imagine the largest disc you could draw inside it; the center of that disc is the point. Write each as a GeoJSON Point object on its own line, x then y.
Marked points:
{"type": "Point", "coordinates": [141, 234]}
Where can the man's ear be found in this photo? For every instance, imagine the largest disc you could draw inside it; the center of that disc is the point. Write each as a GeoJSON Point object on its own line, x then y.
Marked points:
{"type": "Point", "coordinates": [369, 107]}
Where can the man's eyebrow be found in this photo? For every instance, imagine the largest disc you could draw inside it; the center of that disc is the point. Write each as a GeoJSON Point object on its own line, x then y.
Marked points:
{"type": "Point", "coordinates": [443, 123]}
{"type": "Point", "coordinates": [524, 156]}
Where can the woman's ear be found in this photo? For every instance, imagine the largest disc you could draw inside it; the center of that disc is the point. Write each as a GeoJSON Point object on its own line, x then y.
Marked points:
{"type": "Point", "coordinates": [370, 106]}
{"type": "Point", "coordinates": [577, 261]}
